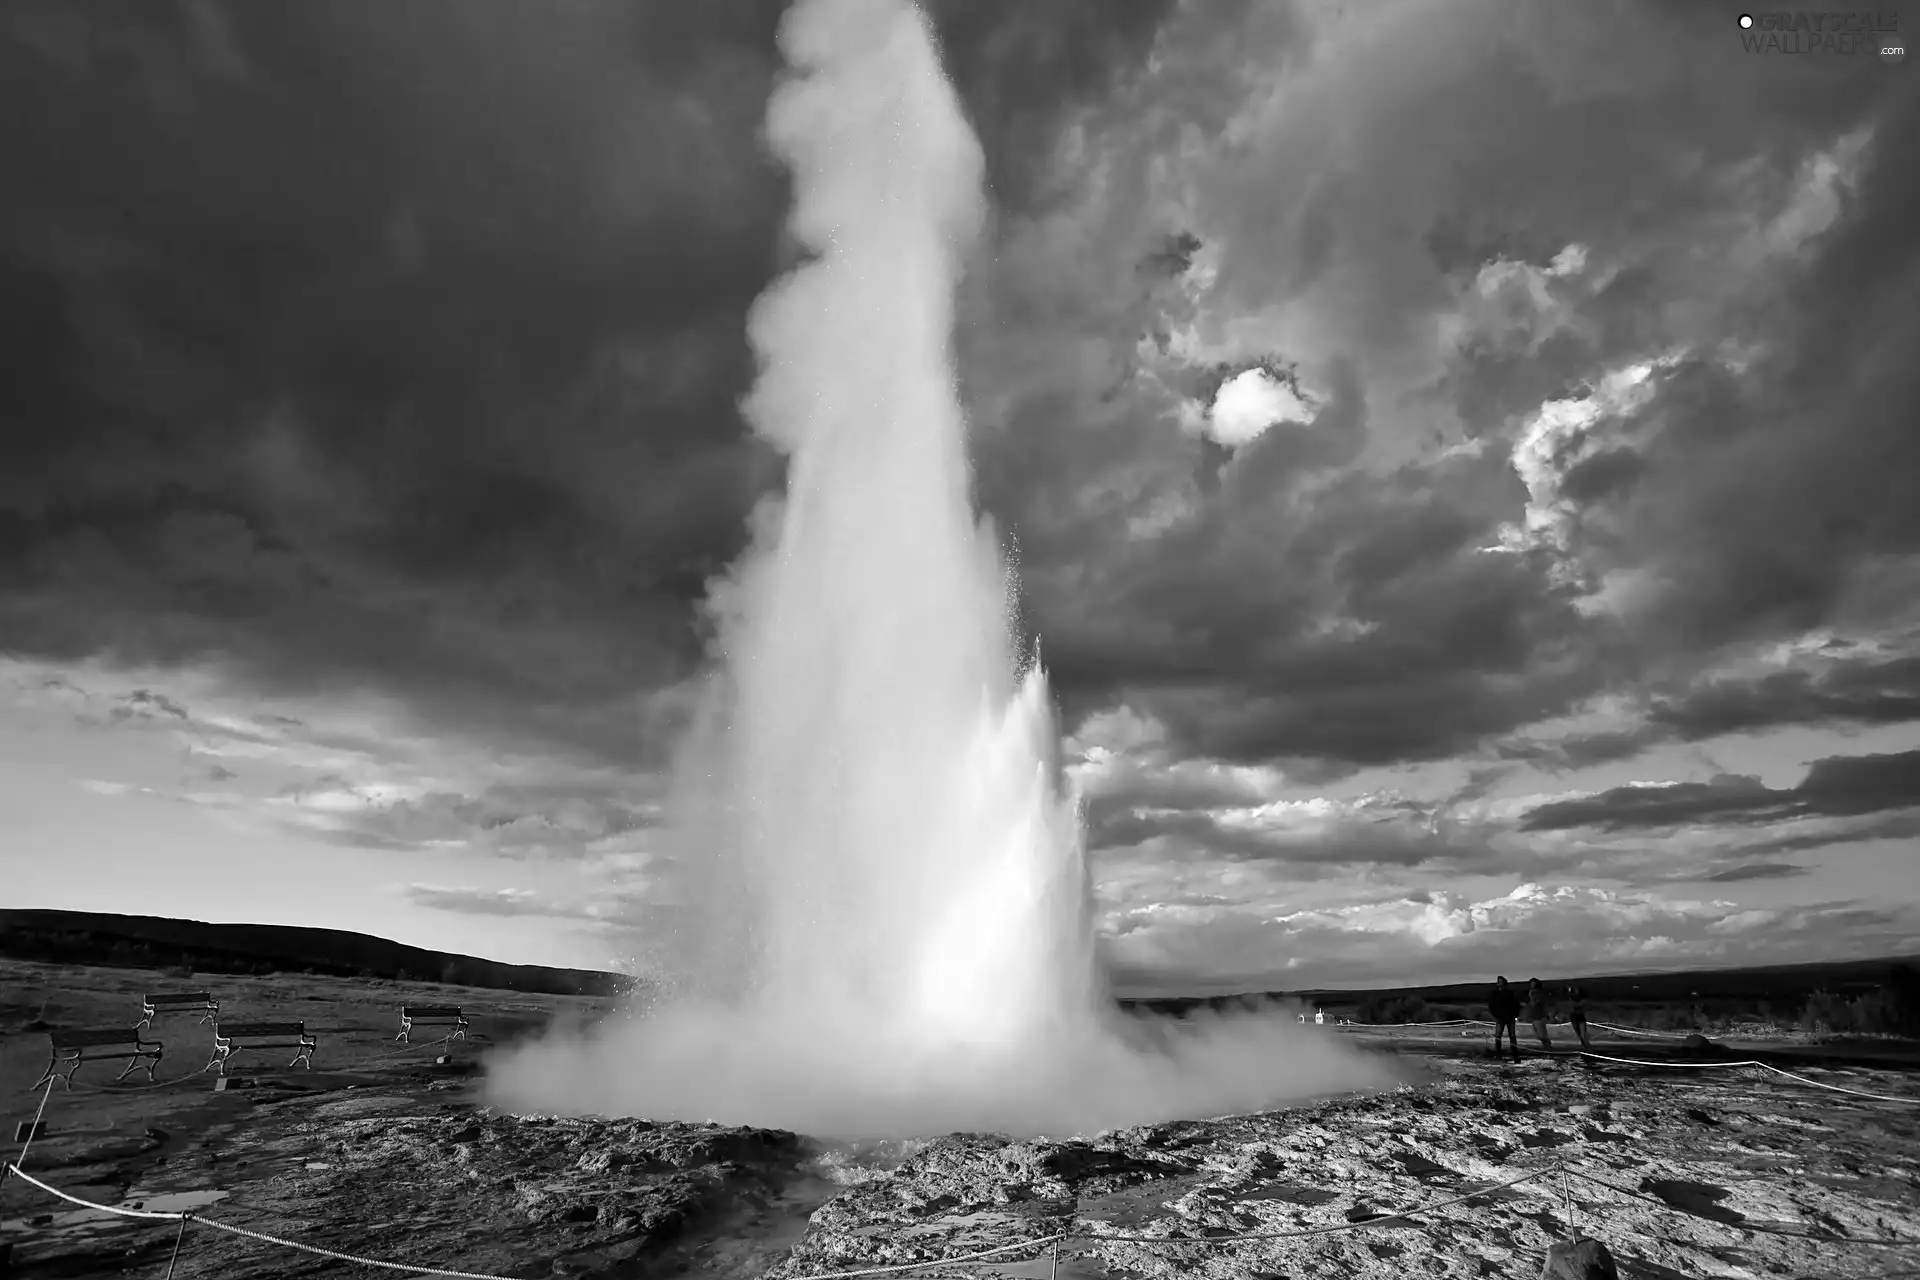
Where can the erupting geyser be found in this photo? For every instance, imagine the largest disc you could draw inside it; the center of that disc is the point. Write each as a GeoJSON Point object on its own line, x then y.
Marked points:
{"type": "Point", "coordinates": [884, 914]}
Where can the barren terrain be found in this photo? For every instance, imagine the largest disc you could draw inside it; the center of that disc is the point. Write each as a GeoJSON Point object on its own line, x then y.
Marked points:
{"type": "Point", "coordinates": [382, 1152]}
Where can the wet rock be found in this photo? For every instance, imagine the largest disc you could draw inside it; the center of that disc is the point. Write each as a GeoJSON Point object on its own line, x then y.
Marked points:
{"type": "Point", "coordinates": [607, 1161]}
{"type": "Point", "coordinates": [1581, 1259]}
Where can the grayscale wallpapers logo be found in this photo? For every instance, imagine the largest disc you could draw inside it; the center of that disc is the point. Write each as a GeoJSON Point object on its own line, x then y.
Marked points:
{"type": "Point", "coordinates": [1834, 32]}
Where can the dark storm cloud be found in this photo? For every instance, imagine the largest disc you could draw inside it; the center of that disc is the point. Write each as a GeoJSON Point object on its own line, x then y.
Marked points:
{"type": "Point", "coordinates": [1364, 840]}
{"type": "Point", "coordinates": [1758, 871]}
{"type": "Point", "coordinates": [1765, 497]}
{"type": "Point", "coordinates": [1019, 66]}
{"type": "Point", "coordinates": [1856, 692]}
{"type": "Point", "coordinates": [400, 345]}
{"type": "Point", "coordinates": [1358, 620]}
{"type": "Point", "coordinates": [1849, 691]}
{"type": "Point", "coordinates": [1838, 786]}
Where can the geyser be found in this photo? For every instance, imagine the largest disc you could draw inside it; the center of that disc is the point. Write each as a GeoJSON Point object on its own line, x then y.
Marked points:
{"type": "Point", "coordinates": [883, 911]}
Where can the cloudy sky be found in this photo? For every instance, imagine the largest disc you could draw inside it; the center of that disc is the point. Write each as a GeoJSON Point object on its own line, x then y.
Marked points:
{"type": "Point", "coordinates": [1461, 455]}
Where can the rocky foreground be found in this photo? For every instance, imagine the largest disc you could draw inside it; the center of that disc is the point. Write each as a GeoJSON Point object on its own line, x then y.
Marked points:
{"type": "Point", "coordinates": [1715, 1173]}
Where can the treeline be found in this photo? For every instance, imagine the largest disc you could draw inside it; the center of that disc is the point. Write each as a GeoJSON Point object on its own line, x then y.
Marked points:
{"type": "Point", "coordinates": [182, 948]}
{"type": "Point", "coordinates": [1889, 1007]}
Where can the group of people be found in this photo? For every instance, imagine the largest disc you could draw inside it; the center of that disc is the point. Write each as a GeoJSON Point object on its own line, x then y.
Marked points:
{"type": "Point", "coordinates": [1506, 1006]}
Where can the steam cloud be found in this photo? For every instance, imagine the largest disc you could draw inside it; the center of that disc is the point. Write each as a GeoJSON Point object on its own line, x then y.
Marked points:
{"type": "Point", "coordinates": [883, 904]}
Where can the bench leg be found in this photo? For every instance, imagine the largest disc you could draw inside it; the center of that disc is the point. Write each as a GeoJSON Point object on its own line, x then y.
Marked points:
{"type": "Point", "coordinates": [219, 1059]}
{"type": "Point", "coordinates": [150, 1061]}
{"type": "Point", "coordinates": [402, 1037]}
{"type": "Point", "coordinates": [47, 1075]}
{"type": "Point", "coordinates": [304, 1058]}
{"type": "Point", "coordinates": [459, 1033]}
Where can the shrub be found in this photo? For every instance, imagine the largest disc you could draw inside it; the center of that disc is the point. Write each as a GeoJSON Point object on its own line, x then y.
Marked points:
{"type": "Point", "coordinates": [177, 971]}
{"type": "Point", "coordinates": [1902, 991]}
{"type": "Point", "coordinates": [1826, 1014]}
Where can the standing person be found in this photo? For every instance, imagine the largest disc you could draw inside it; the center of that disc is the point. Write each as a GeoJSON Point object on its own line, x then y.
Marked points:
{"type": "Point", "coordinates": [1577, 1014]}
{"type": "Point", "coordinates": [1537, 1012]}
{"type": "Point", "coordinates": [1320, 1017]}
{"type": "Point", "coordinates": [1504, 1005]}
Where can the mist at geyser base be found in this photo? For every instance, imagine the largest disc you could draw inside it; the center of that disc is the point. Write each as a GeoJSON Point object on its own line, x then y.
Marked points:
{"type": "Point", "coordinates": [884, 914]}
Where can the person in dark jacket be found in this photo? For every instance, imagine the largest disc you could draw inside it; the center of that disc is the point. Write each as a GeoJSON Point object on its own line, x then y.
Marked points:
{"type": "Point", "coordinates": [1504, 1005]}
{"type": "Point", "coordinates": [1537, 1011]}
{"type": "Point", "coordinates": [1577, 1014]}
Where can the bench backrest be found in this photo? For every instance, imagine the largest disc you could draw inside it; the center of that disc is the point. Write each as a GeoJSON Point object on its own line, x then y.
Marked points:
{"type": "Point", "coordinates": [261, 1029]}
{"type": "Point", "coordinates": [429, 1010]}
{"type": "Point", "coordinates": [182, 997]}
{"type": "Point", "coordinates": [95, 1037]}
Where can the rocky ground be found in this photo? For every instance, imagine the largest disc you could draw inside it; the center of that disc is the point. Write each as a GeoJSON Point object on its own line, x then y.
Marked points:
{"type": "Point", "coordinates": [1712, 1172]}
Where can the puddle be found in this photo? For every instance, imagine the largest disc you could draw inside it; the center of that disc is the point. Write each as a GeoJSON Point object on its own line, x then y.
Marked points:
{"type": "Point", "coordinates": [70, 1219]}
{"type": "Point", "coordinates": [744, 1247]}
{"type": "Point", "coordinates": [1419, 1166]}
{"type": "Point", "coordinates": [173, 1201]}
{"type": "Point", "coordinates": [1699, 1198]}
{"type": "Point", "coordinates": [1544, 1138]}
{"type": "Point", "coordinates": [1136, 1206]}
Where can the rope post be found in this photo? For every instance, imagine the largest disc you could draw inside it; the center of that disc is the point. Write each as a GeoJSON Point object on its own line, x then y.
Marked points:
{"type": "Point", "coordinates": [32, 1129]}
{"type": "Point", "coordinates": [177, 1238]}
{"type": "Point", "coordinates": [1054, 1270]}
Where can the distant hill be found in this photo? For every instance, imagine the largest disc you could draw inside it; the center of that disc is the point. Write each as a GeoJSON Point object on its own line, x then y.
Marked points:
{"type": "Point", "coordinates": [1785, 982]}
{"type": "Point", "coordinates": [154, 942]}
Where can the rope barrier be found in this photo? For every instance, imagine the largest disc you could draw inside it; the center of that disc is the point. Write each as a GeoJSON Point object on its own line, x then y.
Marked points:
{"type": "Point", "coordinates": [1487, 1022]}
{"type": "Point", "coordinates": [229, 1227]}
{"type": "Point", "coordinates": [1754, 1062]}
{"type": "Point", "coordinates": [178, 1236]}
{"type": "Point", "coordinates": [1639, 1031]}
{"type": "Point", "coordinates": [117, 1211]}
{"type": "Point", "coordinates": [342, 1257]}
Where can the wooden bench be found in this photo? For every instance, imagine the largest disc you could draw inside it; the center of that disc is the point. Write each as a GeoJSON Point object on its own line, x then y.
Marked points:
{"type": "Point", "coordinates": [202, 1002]}
{"type": "Point", "coordinates": [431, 1015]}
{"type": "Point", "coordinates": [238, 1037]}
{"type": "Point", "coordinates": [70, 1050]}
